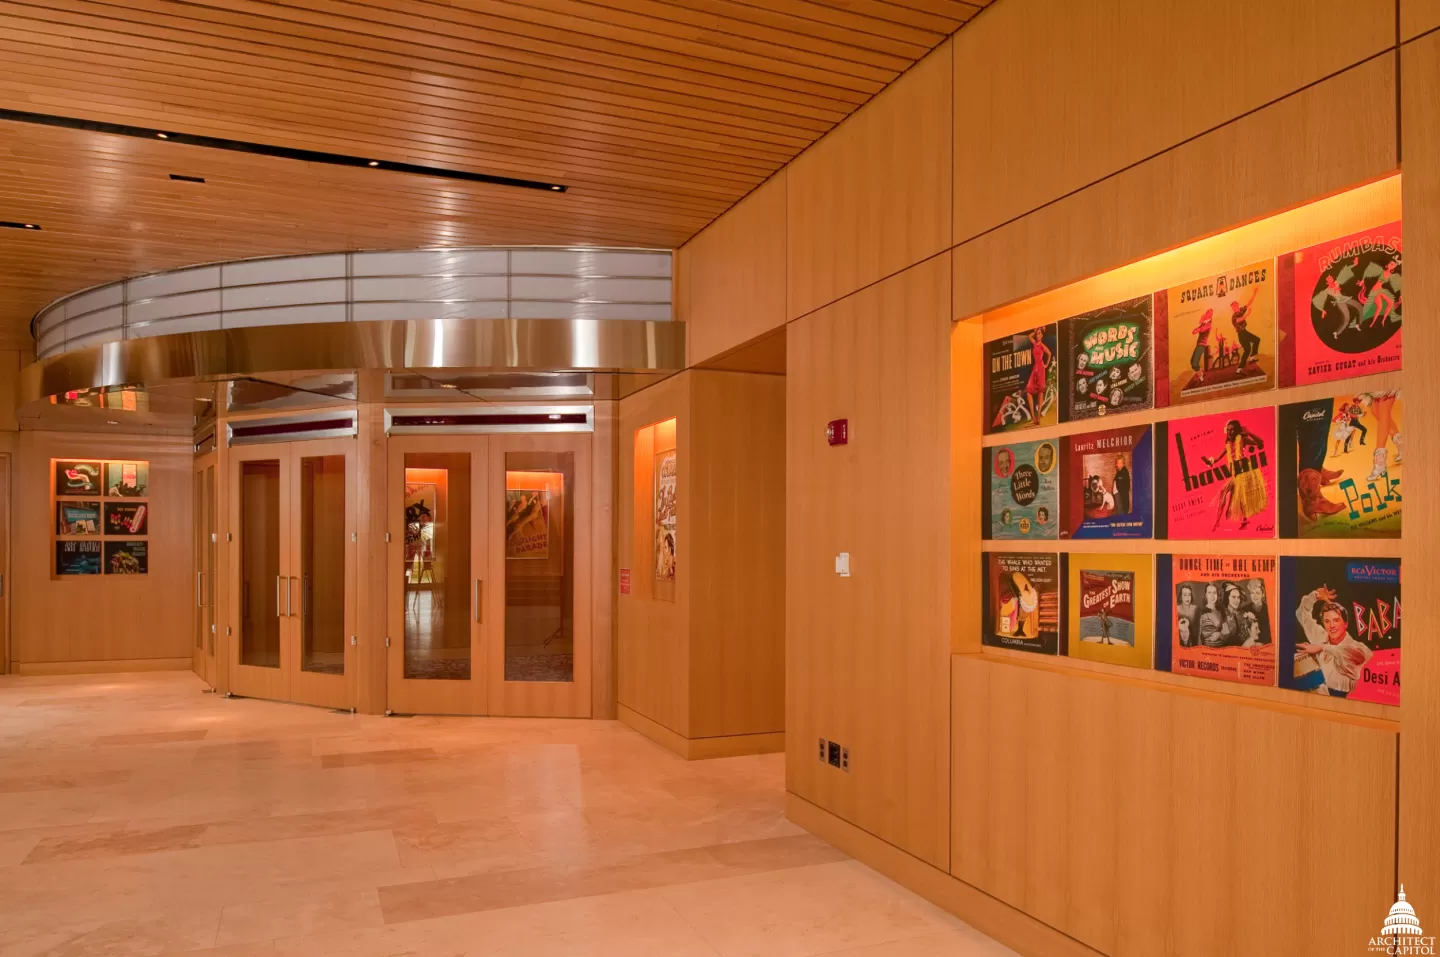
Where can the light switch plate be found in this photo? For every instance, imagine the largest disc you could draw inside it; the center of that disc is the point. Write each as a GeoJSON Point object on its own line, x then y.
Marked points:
{"type": "Point", "coordinates": [842, 564]}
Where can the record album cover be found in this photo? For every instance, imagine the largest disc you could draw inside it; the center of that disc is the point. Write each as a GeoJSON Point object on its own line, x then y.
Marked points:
{"type": "Point", "coordinates": [1216, 336]}
{"type": "Point", "coordinates": [1341, 306]}
{"type": "Point", "coordinates": [1022, 380]}
{"type": "Point", "coordinates": [1024, 497]}
{"type": "Point", "coordinates": [1217, 616]}
{"type": "Point", "coordinates": [1108, 360]}
{"type": "Point", "coordinates": [1110, 604]}
{"type": "Point", "coordinates": [1108, 484]}
{"type": "Point", "coordinates": [1340, 463]}
{"type": "Point", "coordinates": [1022, 601]}
{"type": "Point", "coordinates": [1340, 627]}
{"type": "Point", "coordinates": [1220, 476]}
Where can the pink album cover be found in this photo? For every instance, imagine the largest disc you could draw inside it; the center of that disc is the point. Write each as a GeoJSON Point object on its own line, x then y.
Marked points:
{"type": "Point", "coordinates": [1221, 478]}
{"type": "Point", "coordinates": [1340, 307]}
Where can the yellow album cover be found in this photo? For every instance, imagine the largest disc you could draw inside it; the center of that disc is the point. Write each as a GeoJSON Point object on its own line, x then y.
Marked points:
{"type": "Point", "coordinates": [1112, 608]}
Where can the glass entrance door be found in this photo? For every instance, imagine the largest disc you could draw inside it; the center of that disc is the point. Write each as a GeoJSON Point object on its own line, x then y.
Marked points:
{"type": "Point", "coordinates": [437, 575]}
{"type": "Point", "coordinates": [294, 569]}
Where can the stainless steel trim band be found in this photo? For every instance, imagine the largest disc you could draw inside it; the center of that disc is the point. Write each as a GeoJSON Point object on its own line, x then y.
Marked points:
{"type": "Point", "coordinates": [574, 345]}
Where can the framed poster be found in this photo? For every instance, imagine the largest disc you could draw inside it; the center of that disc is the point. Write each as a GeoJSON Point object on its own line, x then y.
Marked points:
{"type": "Point", "coordinates": [127, 518]}
{"type": "Point", "coordinates": [77, 478]}
{"type": "Point", "coordinates": [1340, 473]}
{"type": "Point", "coordinates": [77, 518]}
{"type": "Point", "coordinates": [1110, 601]}
{"type": "Point", "coordinates": [1022, 380]}
{"type": "Point", "coordinates": [127, 558]}
{"type": "Point", "coordinates": [527, 523]}
{"type": "Point", "coordinates": [1022, 601]}
{"type": "Point", "coordinates": [1024, 499]}
{"type": "Point", "coordinates": [665, 516]}
{"type": "Point", "coordinates": [1217, 616]}
{"type": "Point", "coordinates": [77, 558]}
{"type": "Point", "coordinates": [1216, 336]}
{"type": "Point", "coordinates": [421, 506]}
{"type": "Point", "coordinates": [1108, 360]}
{"type": "Point", "coordinates": [1220, 477]}
{"type": "Point", "coordinates": [1109, 484]}
{"type": "Point", "coordinates": [1340, 627]}
{"type": "Point", "coordinates": [1341, 305]}
{"type": "Point", "coordinates": [127, 479]}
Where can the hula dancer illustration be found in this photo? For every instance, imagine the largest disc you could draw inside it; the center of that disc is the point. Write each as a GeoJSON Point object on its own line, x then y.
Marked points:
{"type": "Point", "coordinates": [1040, 359]}
{"type": "Point", "coordinates": [1200, 358]}
{"type": "Point", "coordinates": [1243, 494]}
{"type": "Point", "coordinates": [1249, 342]}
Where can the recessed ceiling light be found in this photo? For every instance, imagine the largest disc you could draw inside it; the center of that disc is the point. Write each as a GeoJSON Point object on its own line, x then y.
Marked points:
{"type": "Point", "coordinates": [9, 225]}
{"type": "Point", "coordinates": [557, 187]}
{"type": "Point", "coordinates": [111, 422]}
{"type": "Point", "coordinates": [448, 385]}
{"type": "Point", "coordinates": [555, 416]}
{"type": "Point", "coordinates": [163, 136]}
{"type": "Point", "coordinates": [374, 163]}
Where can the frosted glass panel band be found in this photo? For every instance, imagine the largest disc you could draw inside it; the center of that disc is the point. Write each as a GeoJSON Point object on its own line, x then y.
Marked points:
{"type": "Point", "coordinates": [469, 283]}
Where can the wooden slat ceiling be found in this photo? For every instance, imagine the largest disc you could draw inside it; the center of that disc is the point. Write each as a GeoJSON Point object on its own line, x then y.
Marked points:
{"type": "Point", "coordinates": [658, 114]}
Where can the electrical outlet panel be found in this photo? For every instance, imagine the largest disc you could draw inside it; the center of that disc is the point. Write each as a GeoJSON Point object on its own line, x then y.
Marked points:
{"type": "Point", "coordinates": [845, 760]}
{"type": "Point", "coordinates": [822, 751]}
{"type": "Point", "coordinates": [833, 754]}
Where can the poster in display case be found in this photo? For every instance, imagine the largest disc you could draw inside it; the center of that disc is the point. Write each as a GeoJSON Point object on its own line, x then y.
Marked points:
{"type": "Point", "coordinates": [127, 557]}
{"type": "Point", "coordinates": [1340, 466]}
{"type": "Point", "coordinates": [1341, 304]}
{"type": "Point", "coordinates": [1216, 336]}
{"type": "Point", "coordinates": [1217, 616]}
{"type": "Point", "coordinates": [127, 479]}
{"type": "Point", "coordinates": [77, 477]}
{"type": "Point", "coordinates": [1340, 627]}
{"type": "Point", "coordinates": [527, 523]}
{"type": "Point", "coordinates": [1108, 360]}
{"type": "Point", "coordinates": [127, 518]}
{"type": "Point", "coordinates": [1022, 380]}
{"type": "Point", "coordinates": [77, 518]}
{"type": "Point", "coordinates": [77, 558]}
{"type": "Point", "coordinates": [665, 516]}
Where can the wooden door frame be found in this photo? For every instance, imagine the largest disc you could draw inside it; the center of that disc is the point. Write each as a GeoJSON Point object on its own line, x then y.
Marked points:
{"type": "Point", "coordinates": [554, 699]}
{"type": "Point", "coordinates": [205, 663]}
{"type": "Point", "coordinates": [7, 477]}
{"type": "Point", "coordinates": [434, 696]}
{"type": "Point", "coordinates": [253, 680]}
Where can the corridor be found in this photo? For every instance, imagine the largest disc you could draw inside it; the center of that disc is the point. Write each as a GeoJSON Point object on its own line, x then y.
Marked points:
{"type": "Point", "coordinates": [140, 816]}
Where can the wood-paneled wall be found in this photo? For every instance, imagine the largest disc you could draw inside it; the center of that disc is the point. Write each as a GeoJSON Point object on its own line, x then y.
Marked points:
{"type": "Point", "coordinates": [730, 279]}
{"type": "Point", "coordinates": [1141, 820]}
{"type": "Point", "coordinates": [105, 623]}
{"type": "Point", "coordinates": [873, 196]}
{"type": "Point", "coordinates": [1420, 707]}
{"type": "Point", "coordinates": [867, 654]}
{"type": "Point", "coordinates": [704, 657]}
{"type": "Point", "coordinates": [1050, 98]}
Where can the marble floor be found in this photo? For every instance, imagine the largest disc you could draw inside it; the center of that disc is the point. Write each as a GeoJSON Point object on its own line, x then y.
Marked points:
{"type": "Point", "coordinates": [141, 817]}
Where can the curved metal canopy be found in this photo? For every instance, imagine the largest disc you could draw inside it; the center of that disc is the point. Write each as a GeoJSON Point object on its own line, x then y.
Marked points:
{"type": "Point", "coordinates": [569, 345]}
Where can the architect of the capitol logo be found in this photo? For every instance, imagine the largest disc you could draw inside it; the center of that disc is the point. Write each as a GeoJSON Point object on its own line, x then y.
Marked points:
{"type": "Point", "coordinates": [1401, 933]}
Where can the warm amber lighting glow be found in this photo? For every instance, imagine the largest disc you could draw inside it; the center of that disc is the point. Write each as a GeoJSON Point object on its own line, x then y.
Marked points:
{"type": "Point", "coordinates": [1361, 208]}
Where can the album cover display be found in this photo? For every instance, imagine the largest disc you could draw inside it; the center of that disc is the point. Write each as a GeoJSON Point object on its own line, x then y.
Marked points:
{"type": "Point", "coordinates": [1109, 608]}
{"type": "Point", "coordinates": [1340, 465]}
{"type": "Point", "coordinates": [1024, 499]}
{"type": "Point", "coordinates": [1216, 336]}
{"type": "Point", "coordinates": [77, 518]}
{"type": "Point", "coordinates": [1220, 476]}
{"type": "Point", "coordinates": [1022, 601]}
{"type": "Point", "coordinates": [1108, 485]}
{"type": "Point", "coordinates": [1022, 380]}
{"type": "Point", "coordinates": [77, 478]}
{"type": "Point", "coordinates": [1217, 616]}
{"type": "Point", "coordinates": [1340, 627]}
{"type": "Point", "coordinates": [1341, 304]}
{"type": "Point", "coordinates": [1109, 363]}
{"type": "Point", "coordinates": [77, 557]}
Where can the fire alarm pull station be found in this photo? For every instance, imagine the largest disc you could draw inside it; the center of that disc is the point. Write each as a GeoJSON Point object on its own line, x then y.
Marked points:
{"type": "Point", "coordinates": [838, 432]}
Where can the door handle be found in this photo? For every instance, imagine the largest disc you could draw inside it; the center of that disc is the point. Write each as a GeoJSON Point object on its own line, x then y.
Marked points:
{"type": "Point", "coordinates": [479, 591]}
{"type": "Point", "coordinates": [278, 612]}
{"type": "Point", "coordinates": [290, 596]}
{"type": "Point", "coordinates": [199, 603]}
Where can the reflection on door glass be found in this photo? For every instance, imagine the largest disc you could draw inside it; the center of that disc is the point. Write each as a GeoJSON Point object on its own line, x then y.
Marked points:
{"type": "Point", "coordinates": [437, 565]}
{"type": "Point", "coordinates": [539, 566]}
{"type": "Point", "coordinates": [322, 564]}
{"type": "Point", "coordinates": [260, 563]}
